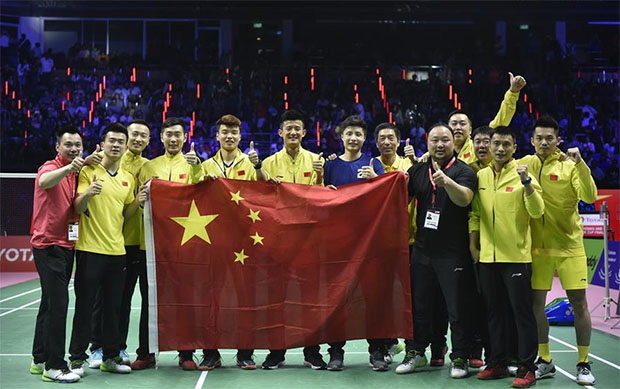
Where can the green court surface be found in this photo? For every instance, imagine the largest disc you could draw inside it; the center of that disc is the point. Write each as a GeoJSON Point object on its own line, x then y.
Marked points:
{"type": "Point", "coordinates": [19, 304]}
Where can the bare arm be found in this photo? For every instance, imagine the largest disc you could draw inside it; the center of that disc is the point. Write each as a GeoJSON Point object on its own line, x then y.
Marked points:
{"type": "Point", "coordinates": [51, 179]}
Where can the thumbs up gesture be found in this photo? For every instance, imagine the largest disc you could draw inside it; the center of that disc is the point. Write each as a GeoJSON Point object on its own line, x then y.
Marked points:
{"type": "Point", "coordinates": [95, 187]}
{"type": "Point", "coordinates": [191, 156]}
{"type": "Point", "coordinates": [95, 158]}
{"type": "Point", "coordinates": [253, 155]}
{"type": "Point", "coordinates": [76, 164]}
{"type": "Point", "coordinates": [367, 172]}
{"type": "Point", "coordinates": [409, 151]}
{"type": "Point", "coordinates": [574, 154]}
{"type": "Point", "coordinates": [317, 165]}
{"type": "Point", "coordinates": [440, 178]}
{"type": "Point", "coordinates": [516, 83]}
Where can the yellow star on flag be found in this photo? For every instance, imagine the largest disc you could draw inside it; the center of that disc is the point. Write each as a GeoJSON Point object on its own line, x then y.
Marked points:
{"type": "Point", "coordinates": [241, 257]}
{"type": "Point", "coordinates": [254, 215]}
{"type": "Point", "coordinates": [195, 224]}
{"type": "Point", "coordinates": [236, 197]}
{"type": "Point", "coordinates": [257, 239]}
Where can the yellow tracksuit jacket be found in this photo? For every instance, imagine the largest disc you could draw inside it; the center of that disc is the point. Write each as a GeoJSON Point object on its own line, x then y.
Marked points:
{"type": "Point", "coordinates": [241, 169]}
{"type": "Point", "coordinates": [132, 228]}
{"type": "Point", "coordinates": [559, 232]}
{"type": "Point", "coordinates": [501, 212]}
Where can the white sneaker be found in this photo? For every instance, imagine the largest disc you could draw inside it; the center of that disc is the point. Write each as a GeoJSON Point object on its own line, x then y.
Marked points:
{"type": "Point", "coordinates": [36, 368]}
{"type": "Point", "coordinates": [459, 368]}
{"type": "Point", "coordinates": [125, 357]}
{"type": "Point", "coordinates": [96, 357]}
{"type": "Point", "coordinates": [115, 365]}
{"type": "Point", "coordinates": [77, 367]}
{"type": "Point", "coordinates": [394, 349]}
{"type": "Point", "coordinates": [512, 370]}
{"type": "Point", "coordinates": [57, 375]}
{"type": "Point", "coordinates": [544, 369]}
{"type": "Point", "coordinates": [412, 362]}
{"type": "Point", "coordinates": [584, 374]}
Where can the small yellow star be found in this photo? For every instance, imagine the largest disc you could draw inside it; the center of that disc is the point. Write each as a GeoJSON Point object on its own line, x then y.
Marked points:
{"type": "Point", "coordinates": [254, 215]}
{"type": "Point", "coordinates": [257, 239]}
{"type": "Point", "coordinates": [241, 257]}
{"type": "Point", "coordinates": [236, 197]}
{"type": "Point", "coordinates": [194, 224]}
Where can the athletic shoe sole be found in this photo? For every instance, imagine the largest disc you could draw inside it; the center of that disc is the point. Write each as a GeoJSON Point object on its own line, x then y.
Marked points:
{"type": "Point", "coordinates": [313, 367]}
{"type": "Point", "coordinates": [276, 366]}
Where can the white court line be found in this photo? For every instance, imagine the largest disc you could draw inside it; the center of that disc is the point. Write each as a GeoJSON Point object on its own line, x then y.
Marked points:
{"type": "Point", "coordinates": [201, 380]}
{"type": "Point", "coordinates": [24, 306]}
{"type": "Point", "coordinates": [221, 352]}
{"type": "Point", "coordinates": [591, 355]}
{"type": "Point", "coordinates": [19, 295]}
{"type": "Point", "coordinates": [19, 308]}
{"type": "Point", "coordinates": [572, 377]}
{"type": "Point", "coordinates": [69, 308]}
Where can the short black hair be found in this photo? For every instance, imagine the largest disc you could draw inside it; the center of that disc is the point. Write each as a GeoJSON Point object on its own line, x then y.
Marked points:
{"type": "Point", "coordinates": [440, 124]}
{"type": "Point", "coordinates": [547, 121]}
{"type": "Point", "coordinates": [354, 121]}
{"type": "Point", "coordinates": [173, 122]}
{"type": "Point", "coordinates": [484, 130]}
{"type": "Point", "coordinates": [140, 121]}
{"type": "Point", "coordinates": [386, 125]}
{"type": "Point", "coordinates": [115, 127]}
{"type": "Point", "coordinates": [459, 111]}
{"type": "Point", "coordinates": [67, 129]}
{"type": "Point", "coordinates": [504, 130]}
{"type": "Point", "coordinates": [291, 114]}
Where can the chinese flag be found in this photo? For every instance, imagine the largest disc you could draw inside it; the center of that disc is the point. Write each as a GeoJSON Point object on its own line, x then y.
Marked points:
{"type": "Point", "coordinates": [239, 264]}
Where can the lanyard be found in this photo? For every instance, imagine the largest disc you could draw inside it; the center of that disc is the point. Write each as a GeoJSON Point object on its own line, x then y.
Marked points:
{"type": "Point", "coordinates": [430, 177]}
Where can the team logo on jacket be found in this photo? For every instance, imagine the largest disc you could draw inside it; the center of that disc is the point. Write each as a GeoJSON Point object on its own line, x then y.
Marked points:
{"type": "Point", "coordinates": [467, 155]}
{"type": "Point", "coordinates": [509, 189]}
{"type": "Point", "coordinates": [553, 177]}
{"type": "Point", "coordinates": [125, 183]}
{"type": "Point", "coordinates": [182, 176]}
{"type": "Point", "coordinates": [307, 174]}
{"type": "Point", "coordinates": [241, 173]}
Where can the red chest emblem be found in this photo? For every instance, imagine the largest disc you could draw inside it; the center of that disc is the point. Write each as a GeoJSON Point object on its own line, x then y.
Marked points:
{"type": "Point", "coordinates": [241, 173]}
{"type": "Point", "coordinates": [125, 183]}
{"type": "Point", "coordinates": [553, 177]}
{"type": "Point", "coordinates": [307, 174]}
{"type": "Point", "coordinates": [509, 189]}
{"type": "Point", "coordinates": [467, 155]}
{"type": "Point", "coordinates": [182, 176]}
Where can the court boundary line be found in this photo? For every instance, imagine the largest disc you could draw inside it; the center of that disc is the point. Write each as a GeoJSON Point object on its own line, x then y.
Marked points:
{"type": "Point", "coordinates": [590, 355]}
{"type": "Point", "coordinates": [201, 380]}
{"type": "Point", "coordinates": [20, 295]}
{"type": "Point", "coordinates": [572, 377]}
{"type": "Point", "coordinates": [25, 305]}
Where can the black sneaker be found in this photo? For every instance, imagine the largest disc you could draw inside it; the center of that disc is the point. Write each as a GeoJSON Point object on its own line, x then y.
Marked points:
{"type": "Point", "coordinates": [210, 360]}
{"type": "Point", "coordinates": [273, 361]}
{"type": "Point", "coordinates": [314, 361]}
{"type": "Point", "coordinates": [246, 363]}
{"type": "Point", "coordinates": [336, 361]}
{"type": "Point", "coordinates": [377, 361]}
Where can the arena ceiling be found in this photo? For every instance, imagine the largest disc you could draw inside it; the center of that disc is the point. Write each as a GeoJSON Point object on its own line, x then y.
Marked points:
{"type": "Point", "coordinates": [318, 10]}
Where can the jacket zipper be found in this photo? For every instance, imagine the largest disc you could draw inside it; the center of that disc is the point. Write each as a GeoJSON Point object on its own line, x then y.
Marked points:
{"type": "Point", "coordinates": [543, 216]}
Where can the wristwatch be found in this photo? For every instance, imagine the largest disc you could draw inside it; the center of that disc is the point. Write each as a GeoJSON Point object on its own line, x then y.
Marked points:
{"type": "Point", "coordinates": [527, 181]}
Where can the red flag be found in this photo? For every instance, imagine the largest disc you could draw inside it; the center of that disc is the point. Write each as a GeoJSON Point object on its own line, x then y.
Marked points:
{"type": "Point", "coordinates": [241, 264]}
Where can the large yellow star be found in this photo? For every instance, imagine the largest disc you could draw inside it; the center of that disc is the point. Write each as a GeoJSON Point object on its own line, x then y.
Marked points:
{"type": "Point", "coordinates": [241, 257]}
{"type": "Point", "coordinates": [257, 239]}
{"type": "Point", "coordinates": [195, 224]}
{"type": "Point", "coordinates": [254, 215]}
{"type": "Point", "coordinates": [236, 197]}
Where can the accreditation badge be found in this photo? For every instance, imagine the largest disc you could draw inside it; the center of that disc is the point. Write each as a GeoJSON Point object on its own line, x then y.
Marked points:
{"type": "Point", "coordinates": [73, 231]}
{"type": "Point", "coordinates": [431, 221]}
